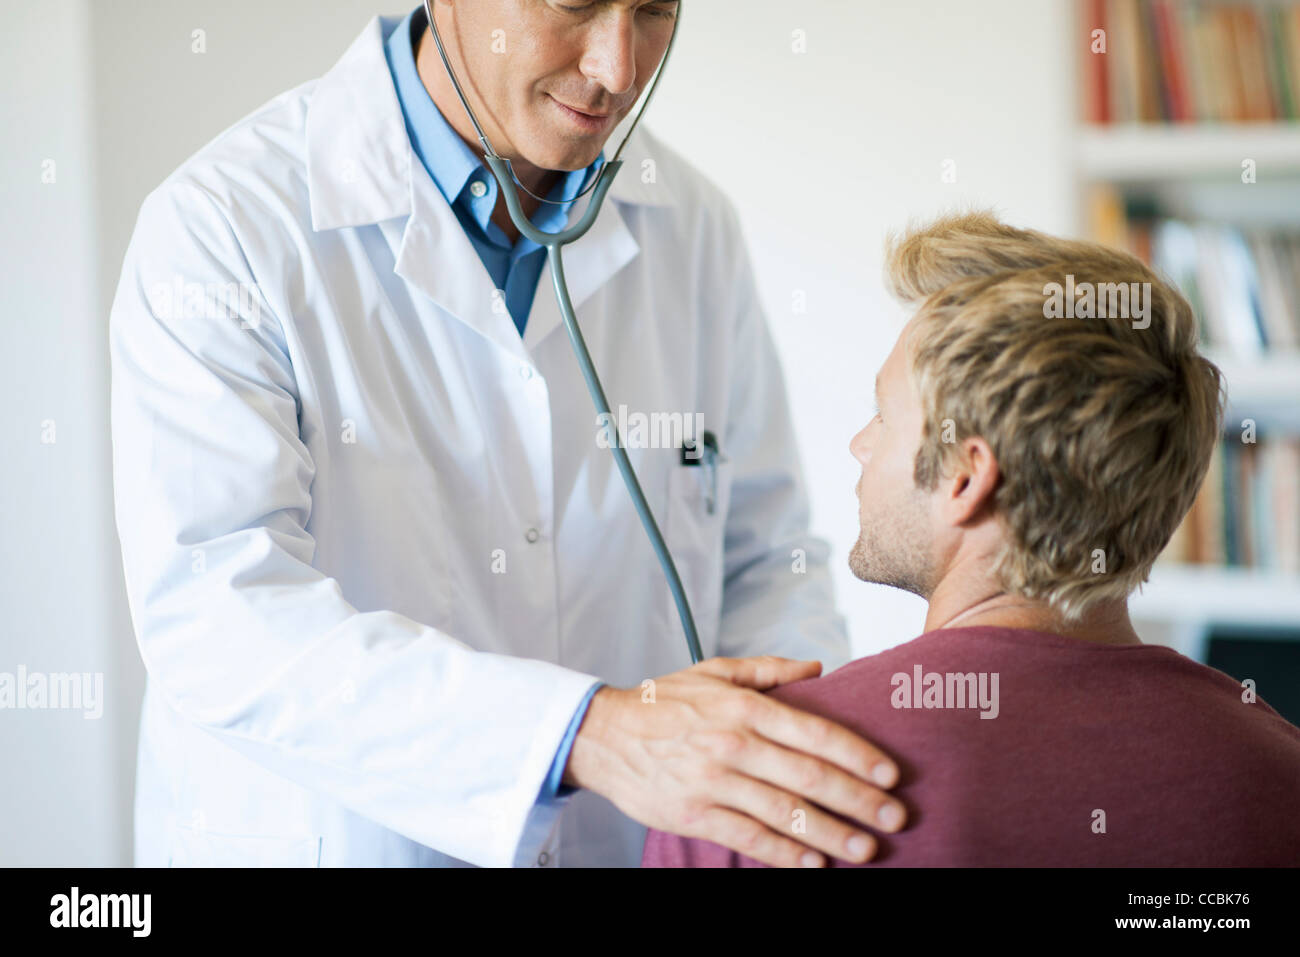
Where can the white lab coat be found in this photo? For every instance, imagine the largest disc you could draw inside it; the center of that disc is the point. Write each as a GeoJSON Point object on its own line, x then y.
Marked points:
{"type": "Point", "coordinates": [374, 553]}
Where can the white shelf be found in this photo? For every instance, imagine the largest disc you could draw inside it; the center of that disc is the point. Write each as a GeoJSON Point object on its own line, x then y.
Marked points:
{"type": "Point", "coordinates": [1156, 153]}
{"type": "Point", "coordinates": [1196, 594]}
{"type": "Point", "coordinates": [1265, 388]}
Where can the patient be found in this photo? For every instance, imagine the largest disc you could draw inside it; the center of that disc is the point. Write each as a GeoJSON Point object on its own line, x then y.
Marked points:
{"type": "Point", "coordinates": [1029, 459]}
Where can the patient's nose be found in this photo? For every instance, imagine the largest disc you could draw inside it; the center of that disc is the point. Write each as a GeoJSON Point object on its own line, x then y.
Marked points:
{"type": "Point", "coordinates": [859, 448]}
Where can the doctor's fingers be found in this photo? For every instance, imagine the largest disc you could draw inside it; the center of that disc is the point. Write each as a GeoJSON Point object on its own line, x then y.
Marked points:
{"type": "Point", "coordinates": [808, 756]}
{"type": "Point", "coordinates": [798, 818]}
{"type": "Point", "coordinates": [820, 738]}
{"type": "Point", "coordinates": [813, 780]}
{"type": "Point", "coordinates": [745, 835]}
{"type": "Point", "coordinates": [761, 672]}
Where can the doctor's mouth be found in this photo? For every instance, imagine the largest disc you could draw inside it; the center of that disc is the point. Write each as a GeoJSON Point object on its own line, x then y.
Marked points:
{"type": "Point", "coordinates": [588, 122]}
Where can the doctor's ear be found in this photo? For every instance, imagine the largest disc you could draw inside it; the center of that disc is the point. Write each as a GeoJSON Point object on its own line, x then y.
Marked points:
{"type": "Point", "coordinates": [967, 490]}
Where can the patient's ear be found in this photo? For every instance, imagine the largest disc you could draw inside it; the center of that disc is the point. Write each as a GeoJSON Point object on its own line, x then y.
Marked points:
{"type": "Point", "coordinates": [968, 489]}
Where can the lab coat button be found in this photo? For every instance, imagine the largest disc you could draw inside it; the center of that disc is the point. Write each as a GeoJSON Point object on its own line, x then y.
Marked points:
{"type": "Point", "coordinates": [532, 535]}
{"type": "Point", "coordinates": [542, 859]}
{"type": "Point", "coordinates": [525, 372]}
{"type": "Point", "coordinates": [478, 189]}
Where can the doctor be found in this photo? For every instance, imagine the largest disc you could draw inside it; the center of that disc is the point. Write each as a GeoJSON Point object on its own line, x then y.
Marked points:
{"type": "Point", "coordinates": [393, 600]}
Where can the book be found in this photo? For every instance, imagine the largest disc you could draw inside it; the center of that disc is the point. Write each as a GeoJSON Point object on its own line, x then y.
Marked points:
{"type": "Point", "coordinates": [1186, 61]}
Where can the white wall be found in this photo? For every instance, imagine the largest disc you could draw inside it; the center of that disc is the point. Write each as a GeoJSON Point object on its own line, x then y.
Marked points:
{"type": "Point", "coordinates": [62, 801]}
{"type": "Point", "coordinates": [823, 151]}
{"type": "Point", "coordinates": [828, 150]}
{"type": "Point", "coordinates": [116, 115]}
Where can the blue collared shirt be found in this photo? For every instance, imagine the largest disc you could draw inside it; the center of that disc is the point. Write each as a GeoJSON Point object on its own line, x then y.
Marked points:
{"type": "Point", "coordinates": [471, 190]}
{"type": "Point", "coordinates": [469, 186]}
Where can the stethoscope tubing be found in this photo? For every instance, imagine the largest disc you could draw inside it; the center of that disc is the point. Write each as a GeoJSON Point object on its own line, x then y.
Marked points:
{"type": "Point", "coordinates": [554, 243]}
{"type": "Point", "coordinates": [556, 259]}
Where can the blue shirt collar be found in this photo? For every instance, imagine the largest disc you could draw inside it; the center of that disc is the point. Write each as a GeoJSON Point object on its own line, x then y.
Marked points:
{"type": "Point", "coordinates": [451, 163]}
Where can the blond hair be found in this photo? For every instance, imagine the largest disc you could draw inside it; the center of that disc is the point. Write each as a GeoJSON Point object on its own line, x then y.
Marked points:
{"type": "Point", "coordinates": [1102, 429]}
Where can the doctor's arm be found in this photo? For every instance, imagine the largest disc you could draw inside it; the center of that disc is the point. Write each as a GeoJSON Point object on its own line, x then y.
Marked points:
{"type": "Point", "coordinates": [239, 633]}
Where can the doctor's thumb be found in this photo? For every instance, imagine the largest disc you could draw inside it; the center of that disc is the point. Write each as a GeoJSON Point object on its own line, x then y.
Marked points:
{"type": "Point", "coordinates": [760, 673]}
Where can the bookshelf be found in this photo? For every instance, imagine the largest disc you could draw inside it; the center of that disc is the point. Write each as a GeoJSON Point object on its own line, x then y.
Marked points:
{"type": "Point", "coordinates": [1153, 153]}
{"type": "Point", "coordinates": [1265, 389]}
{"type": "Point", "coordinates": [1185, 92]}
{"type": "Point", "coordinates": [1193, 595]}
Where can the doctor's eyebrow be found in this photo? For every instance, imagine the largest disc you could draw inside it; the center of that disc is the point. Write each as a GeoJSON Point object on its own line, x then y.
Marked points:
{"type": "Point", "coordinates": [876, 392]}
{"type": "Point", "coordinates": [670, 5]}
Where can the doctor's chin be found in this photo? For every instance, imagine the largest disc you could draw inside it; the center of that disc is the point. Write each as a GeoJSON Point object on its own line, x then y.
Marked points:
{"type": "Point", "coordinates": [643, 434]}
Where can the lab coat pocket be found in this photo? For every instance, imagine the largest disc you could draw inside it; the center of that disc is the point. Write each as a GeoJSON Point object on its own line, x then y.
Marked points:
{"type": "Point", "coordinates": [695, 537]}
{"type": "Point", "coordinates": [200, 847]}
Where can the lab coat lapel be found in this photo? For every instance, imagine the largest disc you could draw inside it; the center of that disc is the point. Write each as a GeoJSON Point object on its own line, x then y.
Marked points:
{"type": "Point", "coordinates": [362, 170]}
{"type": "Point", "coordinates": [358, 153]}
{"type": "Point", "coordinates": [609, 246]}
{"type": "Point", "coordinates": [437, 258]}
{"type": "Point", "coordinates": [588, 264]}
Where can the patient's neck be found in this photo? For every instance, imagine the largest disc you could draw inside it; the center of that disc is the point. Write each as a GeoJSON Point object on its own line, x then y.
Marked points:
{"type": "Point", "coordinates": [969, 600]}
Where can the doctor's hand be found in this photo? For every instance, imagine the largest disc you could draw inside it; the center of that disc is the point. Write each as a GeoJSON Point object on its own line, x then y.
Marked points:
{"type": "Point", "coordinates": [707, 755]}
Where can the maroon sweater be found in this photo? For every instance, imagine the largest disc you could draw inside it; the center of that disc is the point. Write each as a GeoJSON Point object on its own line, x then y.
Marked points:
{"type": "Point", "coordinates": [1160, 750]}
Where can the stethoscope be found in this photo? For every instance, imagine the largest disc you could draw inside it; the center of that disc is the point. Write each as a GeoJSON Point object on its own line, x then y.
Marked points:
{"type": "Point", "coordinates": [553, 242]}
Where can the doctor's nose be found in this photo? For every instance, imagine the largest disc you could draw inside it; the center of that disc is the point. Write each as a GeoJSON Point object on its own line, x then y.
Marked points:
{"type": "Point", "coordinates": [610, 56]}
